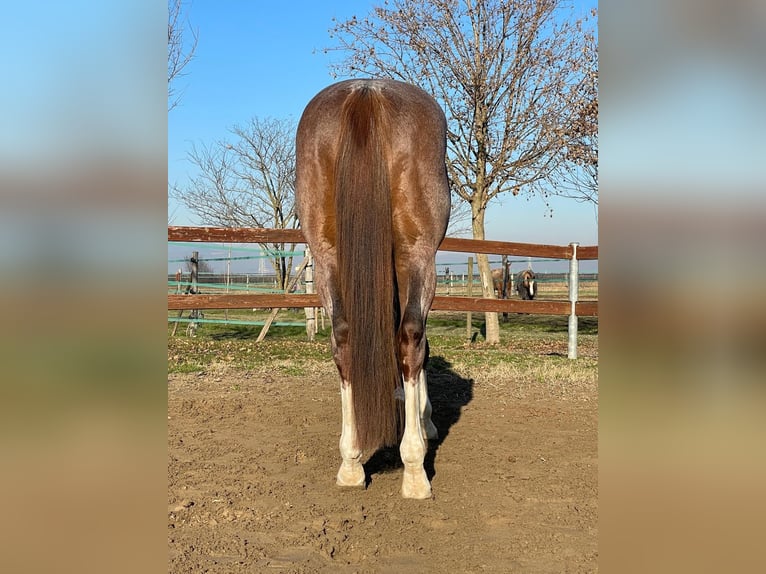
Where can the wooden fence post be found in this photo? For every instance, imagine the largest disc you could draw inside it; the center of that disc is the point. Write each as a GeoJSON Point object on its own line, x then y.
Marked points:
{"type": "Point", "coordinates": [179, 277]}
{"type": "Point", "coordinates": [311, 315]}
{"type": "Point", "coordinates": [191, 328]}
{"type": "Point", "coordinates": [573, 294]}
{"type": "Point", "coordinates": [469, 289]}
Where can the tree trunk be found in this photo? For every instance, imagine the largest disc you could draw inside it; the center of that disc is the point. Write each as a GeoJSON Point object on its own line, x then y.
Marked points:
{"type": "Point", "coordinates": [492, 325]}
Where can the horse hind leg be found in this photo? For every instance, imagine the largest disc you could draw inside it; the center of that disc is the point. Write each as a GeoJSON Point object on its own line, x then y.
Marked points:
{"type": "Point", "coordinates": [351, 471]}
{"type": "Point", "coordinates": [415, 483]}
{"type": "Point", "coordinates": [412, 449]}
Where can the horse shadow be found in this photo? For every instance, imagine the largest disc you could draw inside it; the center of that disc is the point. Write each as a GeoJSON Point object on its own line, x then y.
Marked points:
{"type": "Point", "coordinates": [449, 393]}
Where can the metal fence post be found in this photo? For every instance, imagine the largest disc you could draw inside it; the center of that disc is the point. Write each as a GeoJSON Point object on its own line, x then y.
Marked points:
{"type": "Point", "coordinates": [573, 293]}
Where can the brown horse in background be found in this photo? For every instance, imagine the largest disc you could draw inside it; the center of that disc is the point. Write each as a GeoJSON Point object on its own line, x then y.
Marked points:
{"type": "Point", "coordinates": [373, 200]}
{"type": "Point", "coordinates": [525, 284]}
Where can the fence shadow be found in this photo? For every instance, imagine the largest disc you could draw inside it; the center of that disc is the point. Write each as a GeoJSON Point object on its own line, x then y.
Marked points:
{"type": "Point", "coordinates": [449, 393]}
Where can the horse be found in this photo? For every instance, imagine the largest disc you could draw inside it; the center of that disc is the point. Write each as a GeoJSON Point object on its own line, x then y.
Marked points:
{"type": "Point", "coordinates": [373, 200]}
{"type": "Point", "coordinates": [525, 284]}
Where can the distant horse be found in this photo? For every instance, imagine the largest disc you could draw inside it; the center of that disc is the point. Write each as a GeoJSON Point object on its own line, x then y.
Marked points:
{"type": "Point", "coordinates": [525, 284]}
{"type": "Point", "coordinates": [373, 200]}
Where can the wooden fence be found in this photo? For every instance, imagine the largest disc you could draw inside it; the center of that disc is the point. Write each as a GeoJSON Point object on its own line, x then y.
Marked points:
{"type": "Point", "coordinates": [573, 252]}
{"type": "Point", "coordinates": [441, 302]}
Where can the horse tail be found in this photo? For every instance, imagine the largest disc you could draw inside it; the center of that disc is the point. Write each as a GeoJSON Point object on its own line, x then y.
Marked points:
{"type": "Point", "coordinates": [366, 267]}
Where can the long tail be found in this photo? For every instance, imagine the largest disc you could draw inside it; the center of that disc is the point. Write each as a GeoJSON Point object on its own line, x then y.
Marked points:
{"type": "Point", "coordinates": [365, 267]}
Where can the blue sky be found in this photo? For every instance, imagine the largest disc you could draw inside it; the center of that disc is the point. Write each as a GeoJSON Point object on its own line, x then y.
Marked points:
{"type": "Point", "coordinates": [266, 59]}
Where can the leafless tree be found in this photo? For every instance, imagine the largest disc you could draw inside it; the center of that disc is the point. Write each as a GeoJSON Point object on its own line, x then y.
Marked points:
{"type": "Point", "coordinates": [247, 182]}
{"type": "Point", "coordinates": [180, 48]}
{"type": "Point", "coordinates": [578, 173]}
{"type": "Point", "coordinates": [505, 72]}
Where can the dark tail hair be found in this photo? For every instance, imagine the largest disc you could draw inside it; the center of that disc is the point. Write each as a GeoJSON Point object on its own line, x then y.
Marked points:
{"type": "Point", "coordinates": [366, 267]}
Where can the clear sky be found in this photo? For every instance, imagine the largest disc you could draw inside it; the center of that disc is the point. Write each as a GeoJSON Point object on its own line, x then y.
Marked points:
{"type": "Point", "coordinates": [266, 59]}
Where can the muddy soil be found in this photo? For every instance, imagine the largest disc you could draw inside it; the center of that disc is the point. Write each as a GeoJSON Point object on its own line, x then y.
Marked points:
{"type": "Point", "coordinates": [251, 480]}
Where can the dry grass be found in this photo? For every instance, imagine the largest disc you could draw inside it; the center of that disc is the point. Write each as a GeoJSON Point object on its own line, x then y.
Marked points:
{"type": "Point", "coordinates": [530, 361]}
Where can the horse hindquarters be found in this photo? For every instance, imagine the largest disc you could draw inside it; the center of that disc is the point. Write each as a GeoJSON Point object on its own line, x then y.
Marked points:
{"type": "Point", "coordinates": [353, 139]}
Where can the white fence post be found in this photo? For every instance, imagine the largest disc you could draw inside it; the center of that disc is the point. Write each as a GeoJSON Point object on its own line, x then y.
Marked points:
{"type": "Point", "coordinates": [311, 324]}
{"type": "Point", "coordinates": [573, 293]}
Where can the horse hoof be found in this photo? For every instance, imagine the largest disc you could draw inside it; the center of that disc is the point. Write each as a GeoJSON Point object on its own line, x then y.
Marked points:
{"type": "Point", "coordinates": [345, 483]}
{"type": "Point", "coordinates": [417, 493]}
{"type": "Point", "coordinates": [351, 478]}
{"type": "Point", "coordinates": [416, 486]}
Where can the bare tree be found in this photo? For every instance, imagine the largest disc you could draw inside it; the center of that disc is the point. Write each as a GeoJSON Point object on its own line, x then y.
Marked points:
{"type": "Point", "coordinates": [180, 48]}
{"type": "Point", "coordinates": [247, 182]}
{"type": "Point", "coordinates": [504, 71]}
{"type": "Point", "coordinates": [578, 173]}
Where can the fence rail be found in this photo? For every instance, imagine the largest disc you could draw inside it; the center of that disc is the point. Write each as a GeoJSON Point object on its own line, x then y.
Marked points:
{"type": "Point", "coordinates": [573, 252]}
{"type": "Point", "coordinates": [441, 303]}
{"type": "Point", "coordinates": [457, 244]}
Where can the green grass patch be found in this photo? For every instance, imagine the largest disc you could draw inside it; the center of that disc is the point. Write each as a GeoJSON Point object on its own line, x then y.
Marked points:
{"type": "Point", "coordinates": [532, 349]}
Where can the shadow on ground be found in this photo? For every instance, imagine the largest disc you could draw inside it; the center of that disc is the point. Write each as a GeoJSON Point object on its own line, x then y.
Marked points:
{"type": "Point", "coordinates": [449, 393]}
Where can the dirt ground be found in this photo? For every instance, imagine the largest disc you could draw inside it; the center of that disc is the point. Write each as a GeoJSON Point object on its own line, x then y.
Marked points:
{"type": "Point", "coordinates": [251, 480]}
